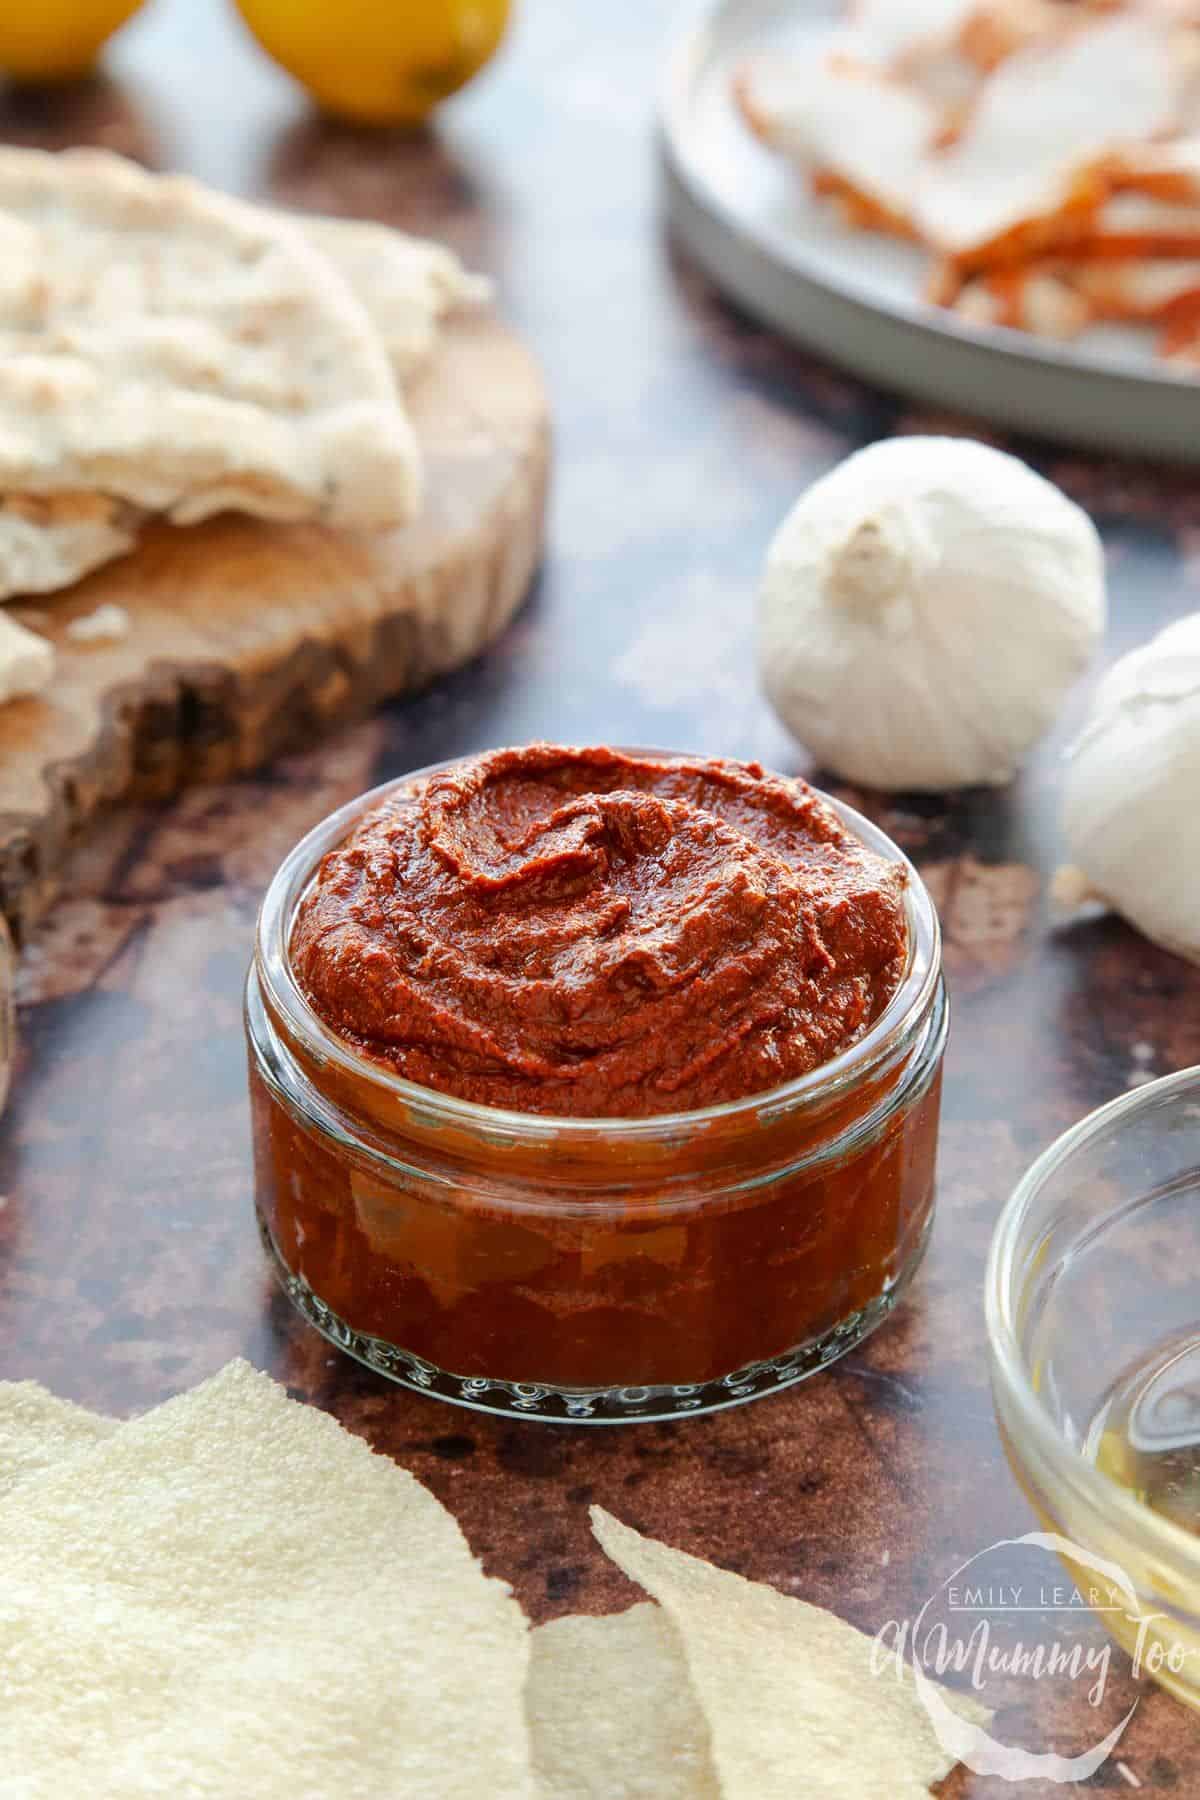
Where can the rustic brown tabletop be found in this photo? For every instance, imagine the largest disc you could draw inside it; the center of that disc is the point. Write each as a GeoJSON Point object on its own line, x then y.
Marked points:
{"type": "Point", "coordinates": [129, 1263]}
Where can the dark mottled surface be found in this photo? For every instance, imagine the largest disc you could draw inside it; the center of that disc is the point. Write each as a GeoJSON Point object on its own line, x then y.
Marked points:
{"type": "Point", "coordinates": [129, 1266]}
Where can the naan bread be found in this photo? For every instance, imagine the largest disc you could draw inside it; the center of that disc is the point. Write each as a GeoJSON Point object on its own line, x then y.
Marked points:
{"type": "Point", "coordinates": [177, 352]}
{"type": "Point", "coordinates": [406, 285]}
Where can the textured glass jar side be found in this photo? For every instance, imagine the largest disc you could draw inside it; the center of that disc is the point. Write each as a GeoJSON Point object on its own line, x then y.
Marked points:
{"type": "Point", "coordinates": [654, 1288]}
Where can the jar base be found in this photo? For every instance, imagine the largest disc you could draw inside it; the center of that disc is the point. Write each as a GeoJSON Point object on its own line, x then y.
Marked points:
{"type": "Point", "coordinates": [590, 1405]}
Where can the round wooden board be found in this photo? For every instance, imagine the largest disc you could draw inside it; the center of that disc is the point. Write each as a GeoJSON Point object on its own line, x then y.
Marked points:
{"type": "Point", "coordinates": [247, 638]}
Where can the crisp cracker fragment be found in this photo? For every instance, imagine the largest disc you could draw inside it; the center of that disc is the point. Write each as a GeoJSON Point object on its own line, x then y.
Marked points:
{"type": "Point", "coordinates": [232, 1596]}
{"type": "Point", "coordinates": [26, 660]}
{"type": "Point", "coordinates": [37, 1429]}
{"type": "Point", "coordinates": [612, 1712]}
{"type": "Point", "coordinates": [185, 352]}
{"type": "Point", "coordinates": [787, 1689]}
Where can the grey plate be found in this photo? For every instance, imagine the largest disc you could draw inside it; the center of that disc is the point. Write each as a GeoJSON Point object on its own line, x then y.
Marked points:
{"type": "Point", "coordinates": [747, 219]}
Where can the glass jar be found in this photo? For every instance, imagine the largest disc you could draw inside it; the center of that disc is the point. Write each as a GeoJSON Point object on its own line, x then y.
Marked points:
{"type": "Point", "coordinates": [594, 1270]}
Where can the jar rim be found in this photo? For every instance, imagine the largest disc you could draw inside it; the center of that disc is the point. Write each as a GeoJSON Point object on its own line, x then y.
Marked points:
{"type": "Point", "coordinates": [902, 1016]}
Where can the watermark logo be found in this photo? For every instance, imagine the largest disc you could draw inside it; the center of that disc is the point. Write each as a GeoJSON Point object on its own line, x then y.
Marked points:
{"type": "Point", "coordinates": [1009, 1616]}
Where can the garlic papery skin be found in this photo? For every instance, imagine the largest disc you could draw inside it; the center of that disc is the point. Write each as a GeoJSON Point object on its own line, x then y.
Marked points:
{"type": "Point", "coordinates": [924, 608]}
{"type": "Point", "coordinates": [1131, 791]}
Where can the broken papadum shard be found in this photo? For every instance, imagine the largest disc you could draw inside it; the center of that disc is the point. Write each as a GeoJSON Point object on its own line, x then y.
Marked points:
{"type": "Point", "coordinates": [37, 1429]}
{"type": "Point", "coordinates": [787, 1689]}
{"type": "Point", "coordinates": [231, 1595]}
{"type": "Point", "coordinates": [609, 1703]}
{"type": "Point", "coordinates": [612, 1713]}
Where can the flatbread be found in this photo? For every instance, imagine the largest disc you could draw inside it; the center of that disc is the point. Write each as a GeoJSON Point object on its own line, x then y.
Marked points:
{"type": "Point", "coordinates": [406, 285]}
{"type": "Point", "coordinates": [232, 1596]}
{"type": "Point", "coordinates": [791, 1701]}
{"type": "Point", "coordinates": [38, 1430]}
{"type": "Point", "coordinates": [181, 352]}
{"type": "Point", "coordinates": [612, 1712]}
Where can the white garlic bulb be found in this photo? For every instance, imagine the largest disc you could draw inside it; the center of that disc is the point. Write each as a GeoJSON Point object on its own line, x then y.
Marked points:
{"type": "Point", "coordinates": [924, 608]}
{"type": "Point", "coordinates": [1131, 796]}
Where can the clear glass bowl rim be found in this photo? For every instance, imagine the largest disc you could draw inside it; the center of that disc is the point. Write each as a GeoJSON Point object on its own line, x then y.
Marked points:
{"type": "Point", "coordinates": [901, 1018]}
{"type": "Point", "coordinates": [1002, 1301]}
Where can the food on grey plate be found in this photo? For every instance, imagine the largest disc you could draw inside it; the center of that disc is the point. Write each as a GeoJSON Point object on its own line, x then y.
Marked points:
{"type": "Point", "coordinates": [1130, 809]}
{"type": "Point", "coordinates": [612, 1711]}
{"type": "Point", "coordinates": [406, 285]}
{"type": "Point", "coordinates": [234, 1587]}
{"type": "Point", "coordinates": [1033, 149]}
{"type": "Point", "coordinates": [925, 606]}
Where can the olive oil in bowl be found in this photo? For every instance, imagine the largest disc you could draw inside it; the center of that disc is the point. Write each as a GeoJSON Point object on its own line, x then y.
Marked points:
{"type": "Point", "coordinates": [1145, 1434]}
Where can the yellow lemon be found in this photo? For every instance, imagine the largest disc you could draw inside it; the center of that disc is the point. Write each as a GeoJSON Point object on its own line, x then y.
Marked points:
{"type": "Point", "coordinates": [381, 62]}
{"type": "Point", "coordinates": [55, 40]}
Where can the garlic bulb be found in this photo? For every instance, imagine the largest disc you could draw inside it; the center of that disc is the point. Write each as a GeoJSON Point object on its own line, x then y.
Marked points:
{"type": "Point", "coordinates": [925, 606]}
{"type": "Point", "coordinates": [1131, 798]}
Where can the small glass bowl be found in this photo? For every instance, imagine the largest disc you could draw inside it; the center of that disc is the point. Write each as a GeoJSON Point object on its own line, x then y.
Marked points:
{"type": "Point", "coordinates": [1093, 1315]}
{"type": "Point", "coordinates": [590, 1269]}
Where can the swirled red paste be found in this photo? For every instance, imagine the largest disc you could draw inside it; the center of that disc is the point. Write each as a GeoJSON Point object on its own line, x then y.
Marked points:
{"type": "Point", "coordinates": [597, 934]}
